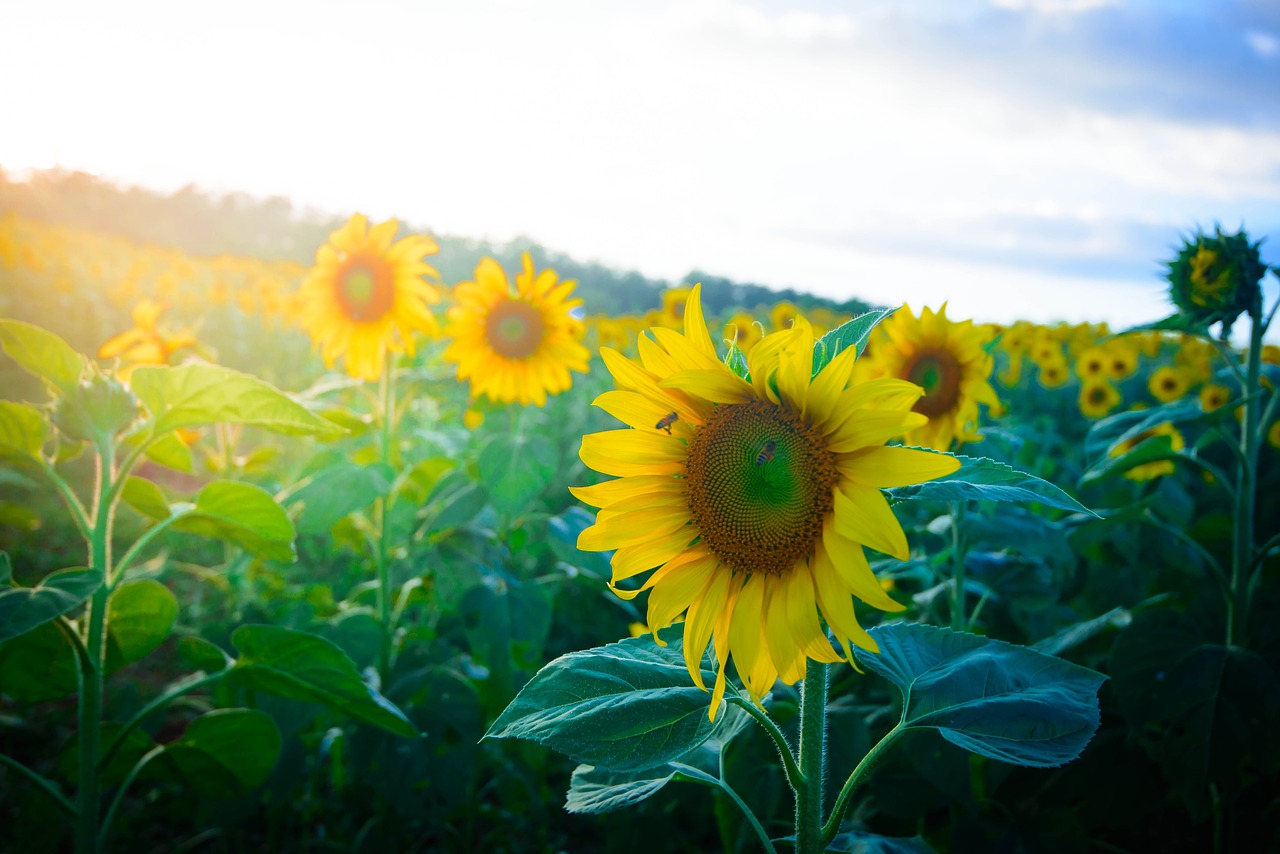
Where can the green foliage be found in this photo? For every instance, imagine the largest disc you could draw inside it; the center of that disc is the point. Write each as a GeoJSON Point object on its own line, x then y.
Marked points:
{"type": "Point", "coordinates": [993, 698]}
{"type": "Point", "coordinates": [982, 479]}
{"type": "Point", "coordinates": [225, 753]}
{"type": "Point", "coordinates": [22, 431]}
{"type": "Point", "coordinates": [853, 333]}
{"type": "Point", "coordinates": [242, 514]}
{"type": "Point", "coordinates": [197, 395]}
{"type": "Point", "coordinates": [300, 666]}
{"type": "Point", "coordinates": [145, 497]}
{"type": "Point", "coordinates": [515, 469]}
{"type": "Point", "coordinates": [24, 608]}
{"type": "Point", "coordinates": [337, 491]}
{"type": "Point", "coordinates": [140, 615]}
{"type": "Point", "coordinates": [621, 707]}
{"type": "Point", "coordinates": [42, 353]}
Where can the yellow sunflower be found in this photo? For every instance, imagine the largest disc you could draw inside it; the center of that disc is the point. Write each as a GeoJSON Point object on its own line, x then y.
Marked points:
{"type": "Point", "coordinates": [1213, 396]}
{"type": "Point", "coordinates": [754, 499]}
{"type": "Point", "coordinates": [948, 359]}
{"type": "Point", "coordinates": [1097, 398]}
{"type": "Point", "coordinates": [149, 342]}
{"type": "Point", "coordinates": [743, 330]}
{"type": "Point", "coordinates": [1167, 384]}
{"type": "Point", "coordinates": [1156, 468]}
{"type": "Point", "coordinates": [366, 295]}
{"type": "Point", "coordinates": [517, 346]}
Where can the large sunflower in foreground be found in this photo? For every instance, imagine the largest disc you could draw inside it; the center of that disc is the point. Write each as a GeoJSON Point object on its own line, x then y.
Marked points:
{"type": "Point", "coordinates": [753, 499]}
{"type": "Point", "coordinates": [948, 360]}
{"type": "Point", "coordinates": [366, 295]}
{"type": "Point", "coordinates": [517, 346]}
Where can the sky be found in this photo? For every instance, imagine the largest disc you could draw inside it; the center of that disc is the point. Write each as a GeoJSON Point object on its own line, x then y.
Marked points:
{"type": "Point", "coordinates": [1031, 159]}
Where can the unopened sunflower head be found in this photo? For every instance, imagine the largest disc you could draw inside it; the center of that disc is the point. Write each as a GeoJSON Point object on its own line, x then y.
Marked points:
{"type": "Point", "coordinates": [516, 346]}
{"type": "Point", "coordinates": [368, 295]}
{"type": "Point", "coordinates": [751, 495]}
{"type": "Point", "coordinates": [1215, 277]}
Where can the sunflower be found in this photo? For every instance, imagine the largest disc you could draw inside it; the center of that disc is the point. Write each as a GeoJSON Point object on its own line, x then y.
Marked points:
{"type": "Point", "coordinates": [754, 498]}
{"type": "Point", "coordinates": [517, 346]}
{"type": "Point", "coordinates": [1156, 468]}
{"type": "Point", "coordinates": [1092, 364]}
{"type": "Point", "coordinates": [743, 330]}
{"type": "Point", "coordinates": [366, 295]}
{"type": "Point", "coordinates": [1053, 373]}
{"type": "Point", "coordinates": [149, 342]}
{"type": "Point", "coordinates": [1097, 398]}
{"type": "Point", "coordinates": [948, 360]}
{"type": "Point", "coordinates": [1167, 384]}
{"type": "Point", "coordinates": [1213, 396]}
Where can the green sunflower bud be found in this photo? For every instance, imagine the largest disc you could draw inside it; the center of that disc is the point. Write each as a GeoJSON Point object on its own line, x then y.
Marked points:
{"type": "Point", "coordinates": [1215, 278]}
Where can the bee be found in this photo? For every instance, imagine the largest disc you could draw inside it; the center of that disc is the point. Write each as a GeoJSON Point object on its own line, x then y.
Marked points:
{"type": "Point", "coordinates": [666, 421]}
{"type": "Point", "coordinates": [766, 453]}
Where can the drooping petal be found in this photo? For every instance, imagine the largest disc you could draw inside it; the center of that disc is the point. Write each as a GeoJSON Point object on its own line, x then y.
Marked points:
{"type": "Point", "coordinates": [850, 564]}
{"type": "Point", "coordinates": [703, 614]}
{"type": "Point", "coordinates": [677, 590]}
{"type": "Point", "coordinates": [863, 515]}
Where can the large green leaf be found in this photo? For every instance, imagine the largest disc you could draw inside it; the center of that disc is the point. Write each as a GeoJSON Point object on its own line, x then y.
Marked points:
{"type": "Point", "coordinates": [24, 608]}
{"type": "Point", "coordinates": [225, 753]}
{"type": "Point", "coordinates": [22, 431]}
{"type": "Point", "coordinates": [38, 665]}
{"type": "Point", "coordinates": [994, 698]}
{"type": "Point", "coordinates": [1114, 429]}
{"type": "Point", "coordinates": [171, 452]}
{"type": "Point", "coordinates": [852, 333]}
{"type": "Point", "coordinates": [243, 514]}
{"type": "Point", "coordinates": [196, 395]}
{"type": "Point", "coordinates": [140, 615]}
{"type": "Point", "coordinates": [622, 707]}
{"type": "Point", "coordinates": [301, 666]}
{"type": "Point", "coordinates": [516, 469]}
{"type": "Point", "coordinates": [982, 479]}
{"type": "Point", "coordinates": [42, 353]}
{"type": "Point", "coordinates": [337, 491]}
{"type": "Point", "coordinates": [1083, 631]}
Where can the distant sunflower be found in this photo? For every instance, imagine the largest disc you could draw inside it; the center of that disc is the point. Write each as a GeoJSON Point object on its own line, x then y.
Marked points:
{"type": "Point", "coordinates": [1167, 384]}
{"type": "Point", "coordinates": [1097, 398]}
{"type": "Point", "coordinates": [366, 295]}
{"type": "Point", "coordinates": [1213, 396]}
{"type": "Point", "coordinates": [516, 346]}
{"type": "Point", "coordinates": [753, 498]}
{"type": "Point", "coordinates": [1156, 468]}
{"type": "Point", "coordinates": [149, 342]}
{"type": "Point", "coordinates": [948, 360]}
{"type": "Point", "coordinates": [743, 330]}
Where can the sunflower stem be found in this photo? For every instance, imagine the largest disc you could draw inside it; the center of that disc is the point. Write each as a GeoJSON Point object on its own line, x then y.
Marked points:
{"type": "Point", "coordinates": [1246, 484]}
{"type": "Point", "coordinates": [813, 749]}
{"type": "Point", "coordinates": [958, 549]}
{"type": "Point", "coordinates": [794, 778]}
{"type": "Point", "coordinates": [382, 507]}
{"type": "Point", "coordinates": [846, 792]}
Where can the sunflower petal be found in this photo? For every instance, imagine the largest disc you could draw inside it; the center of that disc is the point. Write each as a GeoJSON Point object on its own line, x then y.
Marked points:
{"type": "Point", "coordinates": [695, 324]}
{"type": "Point", "coordinates": [644, 556]}
{"type": "Point", "coordinates": [625, 488]}
{"type": "Point", "coordinates": [862, 514]}
{"type": "Point", "coordinates": [703, 614]}
{"type": "Point", "coordinates": [717, 386]}
{"type": "Point", "coordinates": [850, 564]}
{"type": "Point", "coordinates": [888, 466]}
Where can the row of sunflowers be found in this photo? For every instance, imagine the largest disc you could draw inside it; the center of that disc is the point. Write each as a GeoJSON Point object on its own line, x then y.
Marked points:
{"type": "Point", "coordinates": [338, 613]}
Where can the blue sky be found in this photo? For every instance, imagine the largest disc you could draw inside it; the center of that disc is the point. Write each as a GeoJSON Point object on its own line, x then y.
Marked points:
{"type": "Point", "coordinates": [1020, 158]}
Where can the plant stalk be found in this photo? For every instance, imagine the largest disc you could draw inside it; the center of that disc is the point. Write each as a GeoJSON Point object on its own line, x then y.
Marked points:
{"type": "Point", "coordinates": [382, 507]}
{"type": "Point", "coordinates": [959, 620]}
{"type": "Point", "coordinates": [813, 749]}
{"type": "Point", "coordinates": [1246, 485]}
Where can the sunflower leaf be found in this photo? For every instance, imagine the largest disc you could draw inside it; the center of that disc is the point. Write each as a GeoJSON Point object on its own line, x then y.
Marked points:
{"type": "Point", "coordinates": [225, 753]}
{"type": "Point", "coordinates": [197, 395]}
{"type": "Point", "coordinates": [736, 361]}
{"type": "Point", "coordinates": [24, 608]}
{"type": "Point", "coordinates": [852, 333]}
{"type": "Point", "coordinates": [243, 514]}
{"type": "Point", "coordinates": [1153, 450]}
{"type": "Point", "coordinates": [1110, 432]}
{"type": "Point", "coordinates": [983, 479]}
{"type": "Point", "coordinates": [622, 707]}
{"type": "Point", "coordinates": [993, 698]}
{"type": "Point", "coordinates": [42, 353]}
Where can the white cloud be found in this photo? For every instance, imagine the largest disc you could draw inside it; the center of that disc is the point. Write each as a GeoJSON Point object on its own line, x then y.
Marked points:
{"type": "Point", "coordinates": [1265, 45]}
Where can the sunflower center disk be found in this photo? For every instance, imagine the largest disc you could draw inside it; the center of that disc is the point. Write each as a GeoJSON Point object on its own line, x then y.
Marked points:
{"type": "Point", "coordinates": [759, 485]}
{"type": "Point", "coordinates": [514, 329]}
{"type": "Point", "coordinates": [938, 373]}
{"type": "Point", "coordinates": [365, 291]}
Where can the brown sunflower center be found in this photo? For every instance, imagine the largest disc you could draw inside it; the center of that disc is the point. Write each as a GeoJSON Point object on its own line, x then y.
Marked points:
{"type": "Point", "coordinates": [365, 289]}
{"type": "Point", "coordinates": [937, 371]}
{"type": "Point", "coordinates": [514, 329]}
{"type": "Point", "coordinates": [1097, 396]}
{"type": "Point", "coordinates": [759, 484]}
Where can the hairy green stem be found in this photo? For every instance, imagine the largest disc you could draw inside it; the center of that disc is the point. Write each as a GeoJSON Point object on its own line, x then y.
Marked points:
{"type": "Point", "coordinates": [95, 641]}
{"type": "Point", "coordinates": [846, 791]}
{"type": "Point", "coordinates": [794, 778]}
{"type": "Point", "coordinates": [813, 749]}
{"type": "Point", "coordinates": [383, 564]}
{"type": "Point", "coordinates": [958, 618]}
{"type": "Point", "coordinates": [1246, 485]}
{"type": "Point", "coordinates": [78, 514]}
{"type": "Point", "coordinates": [142, 542]}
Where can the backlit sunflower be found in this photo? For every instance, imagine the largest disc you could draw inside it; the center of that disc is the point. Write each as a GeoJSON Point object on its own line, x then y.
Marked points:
{"type": "Point", "coordinates": [948, 360]}
{"type": "Point", "coordinates": [516, 346]}
{"type": "Point", "coordinates": [753, 498]}
{"type": "Point", "coordinates": [366, 295]}
{"type": "Point", "coordinates": [149, 342]}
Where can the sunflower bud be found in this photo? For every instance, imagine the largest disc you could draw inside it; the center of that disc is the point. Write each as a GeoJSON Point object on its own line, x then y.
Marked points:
{"type": "Point", "coordinates": [1214, 278]}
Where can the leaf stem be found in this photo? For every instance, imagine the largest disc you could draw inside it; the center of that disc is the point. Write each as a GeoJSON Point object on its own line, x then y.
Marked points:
{"type": "Point", "coordinates": [794, 778]}
{"type": "Point", "coordinates": [40, 780]}
{"type": "Point", "coordinates": [813, 748]}
{"type": "Point", "coordinates": [695, 775]}
{"type": "Point", "coordinates": [958, 551]}
{"type": "Point", "coordinates": [78, 514]}
{"type": "Point", "coordinates": [142, 542]}
{"type": "Point", "coordinates": [1246, 485]}
{"type": "Point", "coordinates": [120, 793]}
{"type": "Point", "coordinates": [184, 688]}
{"type": "Point", "coordinates": [846, 792]}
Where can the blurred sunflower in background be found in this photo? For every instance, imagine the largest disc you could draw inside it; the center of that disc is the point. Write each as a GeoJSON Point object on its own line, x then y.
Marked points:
{"type": "Point", "coordinates": [149, 342]}
{"type": "Point", "coordinates": [743, 330]}
{"type": "Point", "coordinates": [516, 346]}
{"type": "Point", "coordinates": [948, 360]}
{"type": "Point", "coordinates": [1097, 398]}
{"type": "Point", "coordinates": [754, 499]}
{"type": "Point", "coordinates": [1155, 468]}
{"type": "Point", "coordinates": [366, 296]}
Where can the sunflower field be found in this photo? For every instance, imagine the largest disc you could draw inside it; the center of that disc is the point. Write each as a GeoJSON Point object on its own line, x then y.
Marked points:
{"type": "Point", "coordinates": [366, 555]}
